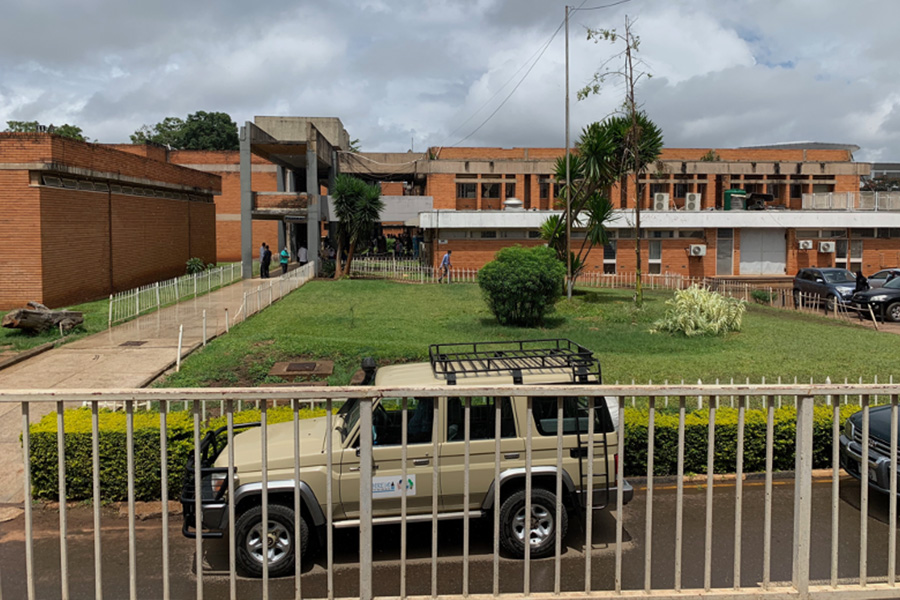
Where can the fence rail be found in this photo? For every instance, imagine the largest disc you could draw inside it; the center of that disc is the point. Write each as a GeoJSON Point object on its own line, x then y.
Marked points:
{"type": "Point", "coordinates": [148, 298]}
{"type": "Point", "coordinates": [812, 569]}
{"type": "Point", "coordinates": [851, 201]}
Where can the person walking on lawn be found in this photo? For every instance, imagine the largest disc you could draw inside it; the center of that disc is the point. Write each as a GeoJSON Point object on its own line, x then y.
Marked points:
{"type": "Point", "coordinates": [445, 267]}
{"type": "Point", "coordinates": [285, 257]}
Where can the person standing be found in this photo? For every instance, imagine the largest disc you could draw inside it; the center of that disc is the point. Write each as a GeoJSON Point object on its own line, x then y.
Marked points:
{"type": "Point", "coordinates": [445, 267]}
{"type": "Point", "coordinates": [302, 256]}
{"type": "Point", "coordinates": [264, 262]}
{"type": "Point", "coordinates": [285, 257]}
{"type": "Point", "coordinates": [262, 252]}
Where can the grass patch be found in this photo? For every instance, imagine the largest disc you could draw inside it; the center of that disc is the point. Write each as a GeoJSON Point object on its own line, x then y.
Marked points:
{"type": "Point", "coordinates": [96, 319]}
{"type": "Point", "coordinates": [394, 322]}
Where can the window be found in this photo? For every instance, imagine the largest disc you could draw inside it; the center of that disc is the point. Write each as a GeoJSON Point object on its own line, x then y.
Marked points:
{"type": "Point", "coordinates": [803, 234]}
{"type": "Point", "coordinates": [862, 233]}
{"type": "Point", "coordinates": [387, 420]}
{"type": "Point", "coordinates": [681, 190]}
{"type": "Point", "coordinates": [575, 415]}
{"type": "Point", "coordinates": [485, 235]}
{"type": "Point", "coordinates": [533, 235]}
{"type": "Point", "coordinates": [796, 191]}
{"type": "Point", "coordinates": [609, 258]}
{"type": "Point", "coordinates": [655, 263]}
{"type": "Point", "coordinates": [691, 233]}
{"type": "Point", "coordinates": [465, 190]}
{"type": "Point", "coordinates": [660, 233]}
{"type": "Point", "coordinates": [840, 254]}
{"type": "Point", "coordinates": [482, 418]}
{"type": "Point", "coordinates": [838, 233]}
{"type": "Point", "coordinates": [490, 190]}
{"type": "Point", "coordinates": [659, 188]}
{"type": "Point", "coordinates": [544, 188]}
{"type": "Point", "coordinates": [510, 189]}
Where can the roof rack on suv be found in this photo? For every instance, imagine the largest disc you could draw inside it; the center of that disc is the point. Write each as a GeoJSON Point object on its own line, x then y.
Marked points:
{"type": "Point", "coordinates": [449, 361]}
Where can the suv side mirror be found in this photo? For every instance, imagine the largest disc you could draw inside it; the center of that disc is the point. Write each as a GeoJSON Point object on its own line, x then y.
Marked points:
{"type": "Point", "coordinates": [819, 280]}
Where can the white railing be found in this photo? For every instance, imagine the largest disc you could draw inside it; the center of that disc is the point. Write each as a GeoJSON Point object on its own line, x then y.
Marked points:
{"type": "Point", "coordinates": [864, 201]}
{"type": "Point", "coordinates": [672, 551]}
{"type": "Point", "coordinates": [148, 298]}
{"type": "Point", "coordinates": [272, 289]}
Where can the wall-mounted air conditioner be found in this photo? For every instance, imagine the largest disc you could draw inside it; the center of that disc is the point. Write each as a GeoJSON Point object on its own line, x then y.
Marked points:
{"type": "Point", "coordinates": [697, 250]}
{"type": "Point", "coordinates": [827, 247]}
{"type": "Point", "coordinates": [692, 201]}
{"type": "Point", "coordinates": [660, 201]}
{"type": "Point", "coordinates": [805, 244]}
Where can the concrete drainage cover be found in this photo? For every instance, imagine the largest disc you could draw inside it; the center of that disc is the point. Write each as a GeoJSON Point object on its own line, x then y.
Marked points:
{"type": "Point", "coordinates": [308, 369]}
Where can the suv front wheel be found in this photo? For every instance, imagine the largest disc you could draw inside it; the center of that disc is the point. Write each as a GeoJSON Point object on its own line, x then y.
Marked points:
{"type": "Point", "coordinates": [278, 541]}
{"type": "Point", "coordinates": [540, 528]}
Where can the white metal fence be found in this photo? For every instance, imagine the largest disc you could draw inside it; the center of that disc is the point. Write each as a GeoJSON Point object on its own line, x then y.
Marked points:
{"type": "Point", "coordinates": [676, 544]}
{"type": "Point", "coordinates": [148, 298]}
{"type": "Point", "coordinates": [273, 289]}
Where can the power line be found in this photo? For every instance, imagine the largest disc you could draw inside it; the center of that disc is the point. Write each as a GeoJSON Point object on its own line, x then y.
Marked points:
{"type": "Point", "coordinates": [522, 80]}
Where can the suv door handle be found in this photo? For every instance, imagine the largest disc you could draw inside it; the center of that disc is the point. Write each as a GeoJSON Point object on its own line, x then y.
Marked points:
{"type": "Point", "coordinates": [374, 468]}
{"type": "Point", "coordinates": [511, 455]}
{"type": "Point", "coordinates": [421, 462]}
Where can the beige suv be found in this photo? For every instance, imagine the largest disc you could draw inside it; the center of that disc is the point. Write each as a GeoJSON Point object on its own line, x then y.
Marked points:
{"type": "Point", "coordinates": [435, 448]}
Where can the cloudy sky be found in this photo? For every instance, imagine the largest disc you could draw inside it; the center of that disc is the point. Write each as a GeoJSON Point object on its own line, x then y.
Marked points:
{"type": "Point", "coordinates": [402, 73]}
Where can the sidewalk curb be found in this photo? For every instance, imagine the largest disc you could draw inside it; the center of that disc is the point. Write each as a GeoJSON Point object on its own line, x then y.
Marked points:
{"type": "Point", "coordinates": [700, 479]}
{"type": "Point", "coordinates": [26, 354]}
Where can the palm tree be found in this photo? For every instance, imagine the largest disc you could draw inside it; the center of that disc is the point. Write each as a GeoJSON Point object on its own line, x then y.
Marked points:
{"type": "Point", "coordinates": [593, 171]}
{"type": "Point", "coordinates": [357, 206]}
{"type": "Point", "coordinates": [638, 143]}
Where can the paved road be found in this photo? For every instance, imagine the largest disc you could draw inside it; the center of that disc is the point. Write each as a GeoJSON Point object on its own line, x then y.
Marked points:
{"type": "Point", "coordinates": [101, 361]}
{"type": "Point", "coordinates": [386, 550]}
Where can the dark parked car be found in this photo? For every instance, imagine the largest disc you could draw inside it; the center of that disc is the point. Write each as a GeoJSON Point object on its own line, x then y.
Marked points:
{"type": "Point", "coordinates": [879, 447]}
{"type": "Point", "coordinates": [884, 300]}
{"type": "Point", "coordinates": [826, 283]}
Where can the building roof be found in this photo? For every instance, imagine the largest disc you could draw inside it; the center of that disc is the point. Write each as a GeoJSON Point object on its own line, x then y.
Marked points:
{"type": "Point", "coordinates": [803, 146]}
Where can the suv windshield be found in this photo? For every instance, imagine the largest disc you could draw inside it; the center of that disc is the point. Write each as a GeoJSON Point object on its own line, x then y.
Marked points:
{"type": "Point", "coordinates": [839, 277]}
{"type": "Point", "coordinates": [349, 414]}
{"type": "Point", "coordinates": [893, 284]}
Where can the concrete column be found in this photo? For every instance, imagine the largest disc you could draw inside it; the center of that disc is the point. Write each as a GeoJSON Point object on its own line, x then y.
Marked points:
{"type": "Point", "coordinates": [279, 178]}
{"type": "Point", "coordinates": [281, 235]}
{"type": "Point", "coordinates": [246, 204]}
{"type": "Point", "coordinates": [313, 206]}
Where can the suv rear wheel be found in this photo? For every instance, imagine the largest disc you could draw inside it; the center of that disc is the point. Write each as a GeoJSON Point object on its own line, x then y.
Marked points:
{"type": "Point", "coordinates": [539, 529]}
{"type": "Point", "coordinates": [278, 541]}
{"type": "Point", "coordinates": [893, 312]}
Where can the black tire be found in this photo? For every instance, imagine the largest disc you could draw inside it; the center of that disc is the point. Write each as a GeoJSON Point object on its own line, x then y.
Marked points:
{"type": "Point", "coordinates": [280, 543]}
{"type": "Point", "coordinates": [543, 523]}
{"type": "Point", "coordinates": [892, 312]}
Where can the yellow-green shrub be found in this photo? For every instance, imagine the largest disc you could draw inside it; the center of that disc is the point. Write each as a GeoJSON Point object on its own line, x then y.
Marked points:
{"type": "Point", "coordinates": [696, 431]}
{"type": "Point", "coordinates": [113, 456]}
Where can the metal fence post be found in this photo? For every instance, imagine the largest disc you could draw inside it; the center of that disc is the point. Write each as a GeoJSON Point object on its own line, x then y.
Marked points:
{"type": "Point", "coordinates": [110, 309]}
{"type": "Point", "coordinates": [803, 495]}
{"type": "Point", "coordinates": [157, 295]}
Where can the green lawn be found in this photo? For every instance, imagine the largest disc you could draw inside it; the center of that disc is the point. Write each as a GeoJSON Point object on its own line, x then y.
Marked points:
{"type": "Point", "coordinates": [347, 320]}
{"type": "Point", "coordinates": [96, 318]}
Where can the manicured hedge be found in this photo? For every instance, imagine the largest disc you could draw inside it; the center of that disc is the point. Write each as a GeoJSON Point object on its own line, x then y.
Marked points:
{"type": "Point", "coordinates": [113, 456]}
{"type": "Point", "coordinates": [696, 431]}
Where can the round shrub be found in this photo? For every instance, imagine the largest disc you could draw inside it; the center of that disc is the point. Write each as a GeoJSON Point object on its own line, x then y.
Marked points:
{"type": "Point", "coordinates": [521, 285]}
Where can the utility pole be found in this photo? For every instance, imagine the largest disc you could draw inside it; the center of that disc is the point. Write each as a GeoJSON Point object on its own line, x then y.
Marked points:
{"type": "Point", "coordinates": [568, 177]}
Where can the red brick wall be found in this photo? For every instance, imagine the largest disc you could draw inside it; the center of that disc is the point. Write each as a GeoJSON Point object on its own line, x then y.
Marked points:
{"type": "Point", "coordinates": [392, 188]}
{"type": "Point", "coordinates": [203, 231]}
{"type": "Point", "coordinates": [20, 240]}
{"type": "Point", "coordinates": [76, 246]}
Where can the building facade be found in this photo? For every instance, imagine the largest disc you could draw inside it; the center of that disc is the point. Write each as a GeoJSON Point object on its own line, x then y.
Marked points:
{"type": "Point", "coordinates": [81, 221]}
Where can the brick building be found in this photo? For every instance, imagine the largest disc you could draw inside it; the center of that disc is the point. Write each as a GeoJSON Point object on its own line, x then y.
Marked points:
{"type": "Point", "coordinates": [81, 220]}
{"type": "Point", "coordinates": [799, 205]}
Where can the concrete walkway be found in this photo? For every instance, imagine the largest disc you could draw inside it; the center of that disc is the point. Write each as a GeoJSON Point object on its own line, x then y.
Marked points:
{"type": "Point", "coordinates": [130, 355]}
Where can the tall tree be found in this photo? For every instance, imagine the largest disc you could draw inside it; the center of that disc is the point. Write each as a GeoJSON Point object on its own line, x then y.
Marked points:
{"type": "Point", "coordinates": [70, 131]}
{"type": "Point", "coordinates": [200, 131]}
{"type": "Point", "coordinates": [638, 140]}
{"type": "Point", "coordinates": [358, 206]}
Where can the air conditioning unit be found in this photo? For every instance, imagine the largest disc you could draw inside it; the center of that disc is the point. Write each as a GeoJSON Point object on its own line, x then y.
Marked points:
{"type": "Point", "coordinates": [697, 250]}
{"type": "Point", "coordinates": [692, 201]}
{"type": "Point", "coordinates": [826, 247]}
{"type": "Point", "coordinates": [805, 244]}
{"type": "Point", "coordinates": [660, 201]}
